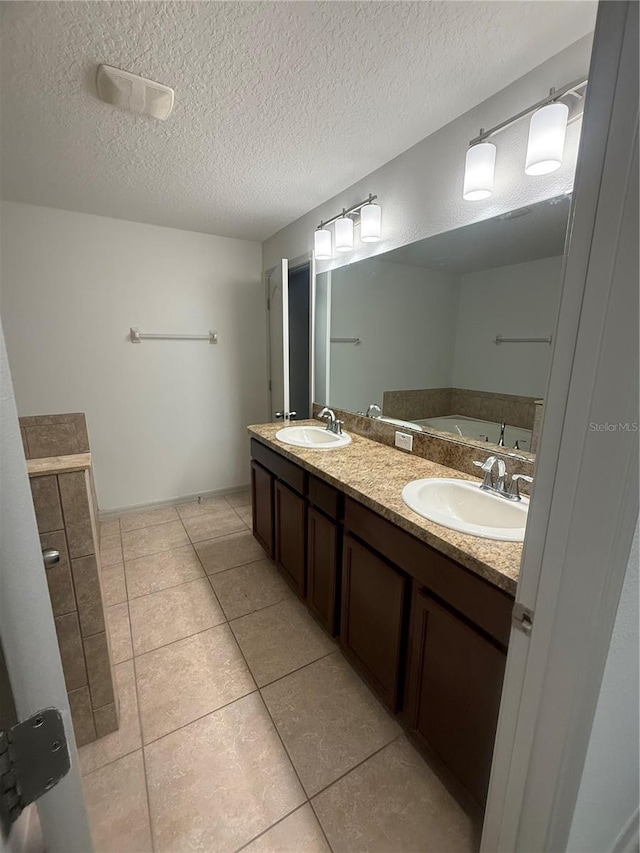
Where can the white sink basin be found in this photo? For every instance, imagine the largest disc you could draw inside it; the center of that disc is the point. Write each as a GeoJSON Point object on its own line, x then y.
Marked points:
{"type": "Point", "coordinates": [463, 506]}
{"type": "Point", "coordinates": [312, 437]}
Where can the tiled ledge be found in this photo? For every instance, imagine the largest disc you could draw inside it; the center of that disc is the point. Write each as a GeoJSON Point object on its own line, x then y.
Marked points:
{"type": "Point", "coordinates": [58, 464]}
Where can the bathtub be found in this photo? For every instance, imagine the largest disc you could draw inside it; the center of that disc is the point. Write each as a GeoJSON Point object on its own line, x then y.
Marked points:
{"type": "Point", "coordinates": [479, 430]}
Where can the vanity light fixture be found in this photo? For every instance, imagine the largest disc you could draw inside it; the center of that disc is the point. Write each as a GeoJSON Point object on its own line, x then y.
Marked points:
{"type": "Point", "coordinates": [322, 244]}
{"type": "Point", "coordinates": [344, 233]}
{"type": "Point", "coordinates": [545, 147]}
{"type": "Point", "coordinates": [546, 139]}
{"type": "Point", "coordinates": [370, 222]}
{"type": "Point", "coordinates": [478, 171]}
{"type": "Point", "coordinates": [365, 214]}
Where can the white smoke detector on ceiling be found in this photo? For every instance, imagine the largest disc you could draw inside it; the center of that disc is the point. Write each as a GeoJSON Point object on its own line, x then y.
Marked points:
{"type": "Point", "coordinates": [136, 94]}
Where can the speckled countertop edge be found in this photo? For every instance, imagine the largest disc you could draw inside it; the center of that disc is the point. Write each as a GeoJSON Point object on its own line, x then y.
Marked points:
{"type": "Point", "coordinates": [375, 475]}
{"type": "Point", "coordinates": [58, 464]}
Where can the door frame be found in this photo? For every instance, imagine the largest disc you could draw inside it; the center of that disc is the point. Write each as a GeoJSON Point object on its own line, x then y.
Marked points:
{"type": "Point", "coordinates": [553, 676]}
{"type": "Point", "coordinates": [293, 265]}
{"type": "Point", "coordinates": [27, 629]}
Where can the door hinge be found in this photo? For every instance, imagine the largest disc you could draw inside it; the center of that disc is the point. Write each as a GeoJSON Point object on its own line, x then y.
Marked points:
{"type": "Point", "coordinates": [522, 618]}
{"type": "Point", "coordinates": [268, 304]}
{"type": "Point", "coordinates": [269, 385]}
{"type": "Point", "coordinates": [34, 757]}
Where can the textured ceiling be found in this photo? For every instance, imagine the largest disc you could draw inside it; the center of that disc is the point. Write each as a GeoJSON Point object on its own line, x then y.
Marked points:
{"type": "Point", "coordinates": [279, 105]}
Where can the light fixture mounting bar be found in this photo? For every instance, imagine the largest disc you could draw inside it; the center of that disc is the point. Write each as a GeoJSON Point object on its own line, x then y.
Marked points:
{"type": "Point", "coordinates": [554, 95]}
{"type": "Point", "coordinates": [350, 210]}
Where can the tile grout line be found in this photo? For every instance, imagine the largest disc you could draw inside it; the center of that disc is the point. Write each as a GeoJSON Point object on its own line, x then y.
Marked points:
{"type": "Point", "coordinates": [275, 728]}
{"type": "Point", "coordinates": [298, 669]}
{"type": "Point", "coordinates": [355, 767]}
{"type": "Point", "coordinates": [202, 716]}
{"type": "Point", "coordinates": [189, 580]}
{"type": "Point", "coordinates": [144, 757]}
{"type": "Point", "coordinates": [135, 684]}
{"type": "Point", "coordinates": [277, 823]}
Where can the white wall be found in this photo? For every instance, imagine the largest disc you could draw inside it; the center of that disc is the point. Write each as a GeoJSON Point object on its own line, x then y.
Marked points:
{"type": "Point", "coordinates": [606, 814]}
{"type": "Point", "coordinates": [421, 189]}
{"type": "Point", "coordinates": [165, 418]}
{"type": "Point", "coordinates": [514, 301]}
{"type": "Point", "coordinates": [406, 318]}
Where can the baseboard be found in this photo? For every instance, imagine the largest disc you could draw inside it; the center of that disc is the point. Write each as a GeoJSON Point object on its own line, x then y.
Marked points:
{"type": "Point", "coordinates": [628, 840]}
{"type": "Point", "coordinates": [105, 515]}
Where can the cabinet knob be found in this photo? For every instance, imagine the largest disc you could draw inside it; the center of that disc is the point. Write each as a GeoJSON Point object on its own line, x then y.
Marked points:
{"type": "Point", "coordinates": [51, 557]}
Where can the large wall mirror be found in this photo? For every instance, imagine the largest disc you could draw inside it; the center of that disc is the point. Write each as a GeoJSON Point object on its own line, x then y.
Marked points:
{"type": "Point", "coordinates": [452, 333]}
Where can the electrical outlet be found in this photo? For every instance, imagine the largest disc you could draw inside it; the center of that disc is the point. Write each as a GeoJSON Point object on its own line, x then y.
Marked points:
{"type": "Point", "coordinates": [404, 441]}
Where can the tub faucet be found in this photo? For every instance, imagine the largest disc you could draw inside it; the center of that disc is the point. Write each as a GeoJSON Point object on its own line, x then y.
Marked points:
{"type": "Point", "coordinates": [501, 439]}
{"type": "Point", "coordinates": [333, 424]}
{"type": "Point", "coordinates": [374, 411]}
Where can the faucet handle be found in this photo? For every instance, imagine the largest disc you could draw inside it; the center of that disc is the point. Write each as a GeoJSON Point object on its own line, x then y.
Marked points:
{"type": "Point", "coordinates": [487, 467]}
{"type": "Point", "coordinates": [514, 490]}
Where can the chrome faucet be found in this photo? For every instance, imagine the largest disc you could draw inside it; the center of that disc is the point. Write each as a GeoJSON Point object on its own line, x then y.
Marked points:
{"type": "Point", "coordinates": [374, 411]}
{"type": "Point", "coordinates": [499, 488]}
{"type": "Point", "coordinates": [333, 424]}
{"type": "Point", "coordinates": [501, 439]}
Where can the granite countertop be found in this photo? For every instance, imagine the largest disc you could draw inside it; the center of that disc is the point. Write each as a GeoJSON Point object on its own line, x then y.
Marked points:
{"type": "Point", "coordinates": [375, 475]}
{"type": "Point", "coordinates": [58, 464]}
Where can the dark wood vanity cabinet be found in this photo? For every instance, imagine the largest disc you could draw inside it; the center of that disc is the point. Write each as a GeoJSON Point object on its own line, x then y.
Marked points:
{"type": "Point", "coordinates": [262, 484]}
{"type": "Point", "coordinates": [429, 635]}
{"type": "Point", "coordinates": [290, 535]}
{"type": "Point", "coordinates": [373, 603]}
{"type": "Point", "coordinates": [453, 690]}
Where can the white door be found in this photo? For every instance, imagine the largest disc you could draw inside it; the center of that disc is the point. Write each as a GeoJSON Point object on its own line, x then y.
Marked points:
{"type": "Point", "coordinates": [278, 304]}
{"type": "Point", "coordinates": [585, 504]}
{"type": "Point", "coordinates": [27, 631]}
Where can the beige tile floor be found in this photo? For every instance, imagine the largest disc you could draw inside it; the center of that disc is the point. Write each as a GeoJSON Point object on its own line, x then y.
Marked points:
{"type": "Point", "coordinates": [242, 727]}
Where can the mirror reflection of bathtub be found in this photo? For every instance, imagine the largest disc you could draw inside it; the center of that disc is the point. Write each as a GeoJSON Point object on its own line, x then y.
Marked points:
{"type": "Point", "coordinates": [479, 430]}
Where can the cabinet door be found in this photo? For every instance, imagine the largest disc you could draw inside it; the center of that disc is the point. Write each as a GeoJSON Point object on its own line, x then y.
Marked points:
{"type": "Point", "coordinates": [322, 569]}
{"type": "Point", "coordinates": [262, 506]}
{"type": "Point", "coordinates": [373, 594]}
{"type": "Point", "coordinates": [455, 686]}
{"type": "Point", "coordinates": [291, 535]}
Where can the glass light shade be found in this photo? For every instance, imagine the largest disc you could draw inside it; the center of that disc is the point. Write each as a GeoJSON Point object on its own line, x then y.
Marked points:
{"type": "Point", "coordinates": [344, 234]}
{"type": "Point", "coordinates": [546, 139]}
{"type": "Point", "coordinates": [479, 169]}
{"type": "Point", "coordinates": [322, 244]}
{"type": "Point", "coordinates": [370, 223]}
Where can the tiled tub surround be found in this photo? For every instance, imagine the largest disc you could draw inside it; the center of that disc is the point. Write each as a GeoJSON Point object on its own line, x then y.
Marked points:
{"type": "Point", "coordinates": [242, 726]}
{"type": "Point", "coordinates": [375, 475]}
{"type": "Point", "coordinates": [423, 403]}
{"type": "Point", "coordinates": [54, 435]}
{"type": "Point", "coordinates": [62, 495]}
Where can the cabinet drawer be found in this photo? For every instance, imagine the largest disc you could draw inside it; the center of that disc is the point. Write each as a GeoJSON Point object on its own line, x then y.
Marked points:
{"type": "Point", "coordinates": [481, 602]}
{"type": "Point", "coordinates": [325, 497]}
{"type": "Point", "coordinates": [290, 473]}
